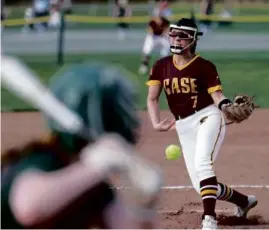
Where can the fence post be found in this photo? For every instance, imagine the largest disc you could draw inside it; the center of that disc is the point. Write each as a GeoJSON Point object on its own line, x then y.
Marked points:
{"type": "Point", "coordinates": [60, 58]}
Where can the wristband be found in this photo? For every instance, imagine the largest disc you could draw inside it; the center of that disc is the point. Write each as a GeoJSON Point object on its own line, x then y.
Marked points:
{"type": "Point", "coordinates": [223, 102]}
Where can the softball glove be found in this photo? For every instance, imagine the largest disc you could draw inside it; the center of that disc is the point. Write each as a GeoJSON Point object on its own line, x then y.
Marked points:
{"type": "Point", "coordinates": [241, 108]}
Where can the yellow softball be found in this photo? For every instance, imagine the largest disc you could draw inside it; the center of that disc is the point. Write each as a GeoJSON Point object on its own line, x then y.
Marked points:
{"type": "Point", "coordinates": [172, 152]}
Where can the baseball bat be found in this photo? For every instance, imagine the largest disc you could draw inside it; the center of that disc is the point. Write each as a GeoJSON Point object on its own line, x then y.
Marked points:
{"type": "Point", "coordinates": [24, 83]}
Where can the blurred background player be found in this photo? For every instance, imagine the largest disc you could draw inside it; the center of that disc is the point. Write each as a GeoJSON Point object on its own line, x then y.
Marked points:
{"type": "Point", "coordinates": [207, 9]}
{"type": "Point", "coordinates": [226, 14]}
{"type": "Point", "coordinates": [55, 15]}
{"type": "Point", "coordinates": [122, 10]}
{"type": "Point", "coordinates": [4, 13]}
{"type": "Point", "coordinates": [28, 16]}
{"type": "Point", "coordinates": [157, 35]}
{"type": "Point", "coordinates": [162, 8]}
{"type": "Point", "coordinates": [62, 181]}
{"type": "Point", "coordinates": [55, 11]}
{"type": "Point", "coordinates": [39, 8]}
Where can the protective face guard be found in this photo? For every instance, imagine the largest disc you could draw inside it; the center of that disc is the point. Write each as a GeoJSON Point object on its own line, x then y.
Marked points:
{"type": "Point", "coordinates": [183, 33]}
{"type": "Point", "coordinates": [180, 34]}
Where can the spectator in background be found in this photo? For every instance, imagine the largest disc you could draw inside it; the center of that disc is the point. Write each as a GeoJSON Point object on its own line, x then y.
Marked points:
{"type": "Point", "coordinates": [226, 13]}
{"type": "Point", "coordinates": [2, 10]}
{"type": "Point", "coordinates": [121, 11]}
{"type": "Point", "coordinates": [162, 8]}
{"type": "Point", "coordinates": [207, 9]}
{"type": "Point", "coordinates": [3, 13]}
{"type": "Point", "coordinates": [28, 16]}
{"type": "Point", "coordinates": [40, 8]}
{"type": "Point", "coordinates": [66, 5]}
{"type": "Point", "coordinates": [55, 14]}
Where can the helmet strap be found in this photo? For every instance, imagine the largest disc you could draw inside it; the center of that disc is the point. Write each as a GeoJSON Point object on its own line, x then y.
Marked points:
{"type": "Point", "coordinates": [178, 50]}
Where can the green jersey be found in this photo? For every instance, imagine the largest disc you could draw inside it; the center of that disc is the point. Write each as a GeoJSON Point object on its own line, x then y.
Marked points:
{"type": "Point", "coordinates": [45, 161]}
{"type": "Point", "coordinates": [84, 210]}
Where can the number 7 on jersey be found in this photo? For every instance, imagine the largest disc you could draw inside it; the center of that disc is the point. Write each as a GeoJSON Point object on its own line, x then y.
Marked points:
{"type": "Point", "coordinates": [194, 98]}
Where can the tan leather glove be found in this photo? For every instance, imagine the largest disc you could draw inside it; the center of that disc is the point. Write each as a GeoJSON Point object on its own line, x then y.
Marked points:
{"type": "Point", "coordinates": [241, 108]}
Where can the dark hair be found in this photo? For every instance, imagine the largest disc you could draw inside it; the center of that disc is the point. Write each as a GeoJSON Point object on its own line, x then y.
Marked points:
{"type": "Point", "coordinates": [190, 22]}
{"type": "Point", "coordinates": [193, 47]}
{"type": "Point", "coordinates": [187, 22]}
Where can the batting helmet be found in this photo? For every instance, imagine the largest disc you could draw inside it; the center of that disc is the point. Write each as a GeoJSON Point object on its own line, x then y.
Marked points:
{"type": "Point", "coordinates": [102, 96]}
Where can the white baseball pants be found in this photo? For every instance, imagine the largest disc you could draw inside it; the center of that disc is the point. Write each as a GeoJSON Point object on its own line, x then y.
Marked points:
{"type": "Point", "coordinates": [153, 41]}
{"type": "Point", "coordinates": [201, 136]}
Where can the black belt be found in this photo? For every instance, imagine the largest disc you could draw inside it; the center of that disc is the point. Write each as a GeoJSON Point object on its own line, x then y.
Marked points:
{"type": "Point", "coordinates": [178, 117]}
{"type": "Point", "coordinates": [184, 115]}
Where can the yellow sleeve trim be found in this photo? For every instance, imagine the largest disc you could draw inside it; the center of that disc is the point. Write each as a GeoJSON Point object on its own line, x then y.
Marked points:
{"type": "Point", "coordinates": [214, 89]}
{"type": "Point", "coordinates": [153, 82]}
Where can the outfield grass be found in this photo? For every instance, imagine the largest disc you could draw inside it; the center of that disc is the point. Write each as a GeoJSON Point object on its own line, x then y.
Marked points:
{"type": "Point", "coordinates": [235, 27]}
{"type": "Point", "coordinates": [142, 10]}
{"type": "Point", "coordinates": [240, 72]}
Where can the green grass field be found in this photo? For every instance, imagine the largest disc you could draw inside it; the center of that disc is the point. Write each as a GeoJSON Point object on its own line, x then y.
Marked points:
{"type": "Point", "coordinates": [142, 10]}
{"type": "Point", "coordinates": [240, 72]}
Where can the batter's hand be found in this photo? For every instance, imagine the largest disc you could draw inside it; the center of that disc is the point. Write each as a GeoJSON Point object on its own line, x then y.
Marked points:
{"type": "Point", "coordinates": [164, 125]}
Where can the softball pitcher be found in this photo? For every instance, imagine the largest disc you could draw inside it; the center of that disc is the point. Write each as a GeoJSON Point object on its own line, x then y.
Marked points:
{"type": "Point", "coordinates": [194, 94]}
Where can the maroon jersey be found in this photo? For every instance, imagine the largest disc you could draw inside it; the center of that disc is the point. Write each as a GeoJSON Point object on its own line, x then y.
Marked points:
{"type": "Point", "coordinates": [187, 88]}
{"type": "Point", "coordinates": [158, 28]}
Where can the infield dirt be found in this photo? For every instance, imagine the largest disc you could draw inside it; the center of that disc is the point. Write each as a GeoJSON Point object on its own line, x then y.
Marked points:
{"type": "Point", "coordinates": [242, 161]}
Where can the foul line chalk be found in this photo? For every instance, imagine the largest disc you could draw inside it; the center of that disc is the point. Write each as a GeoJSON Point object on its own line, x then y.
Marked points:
{"type": "Point", "coordinates": [183, 187]}
{"type": "Point", "coordinates": [174, 211]}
